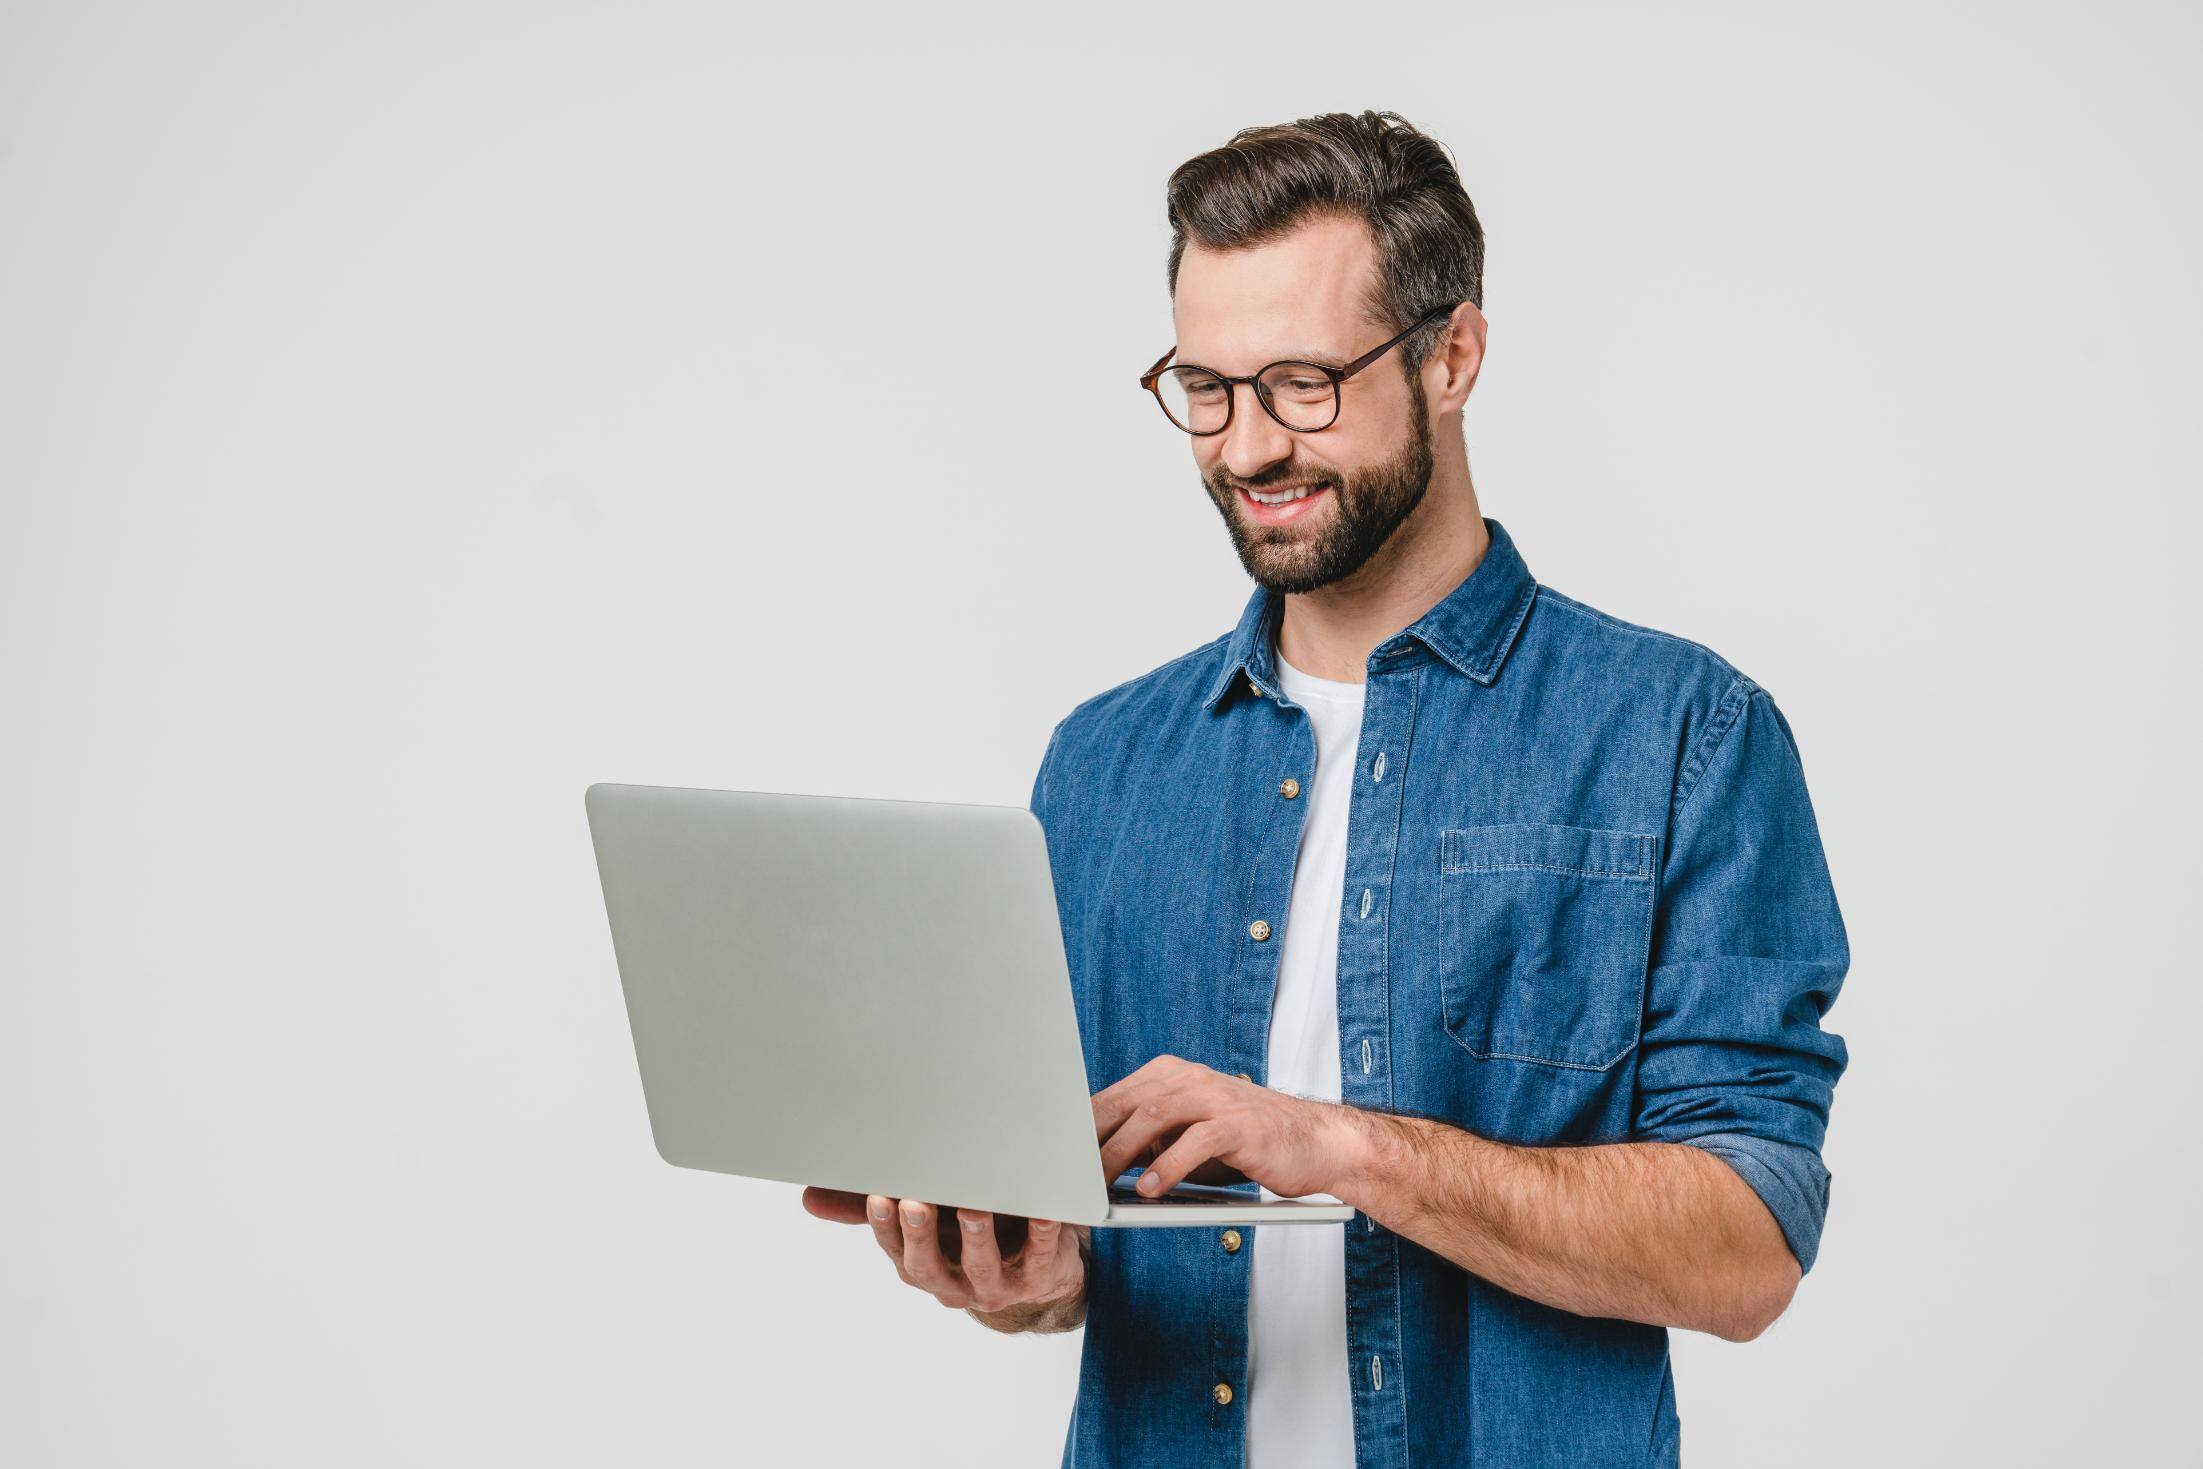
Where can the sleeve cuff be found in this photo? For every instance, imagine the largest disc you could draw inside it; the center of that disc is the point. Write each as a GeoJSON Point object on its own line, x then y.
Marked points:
{"type": "Point", "coordinates": [1790, 1180]}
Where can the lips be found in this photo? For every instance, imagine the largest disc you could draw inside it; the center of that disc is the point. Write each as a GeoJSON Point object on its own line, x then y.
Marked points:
{"type": "Point", "coordinates": [1280, 514]}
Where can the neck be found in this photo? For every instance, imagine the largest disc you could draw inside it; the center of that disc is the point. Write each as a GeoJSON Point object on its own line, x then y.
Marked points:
{"type": "Point", "coordinates": [1331, 631]}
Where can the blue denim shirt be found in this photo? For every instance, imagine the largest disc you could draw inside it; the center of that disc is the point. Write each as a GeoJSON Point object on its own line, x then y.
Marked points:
{"type": "Point", "coordinates": [1585, 902]}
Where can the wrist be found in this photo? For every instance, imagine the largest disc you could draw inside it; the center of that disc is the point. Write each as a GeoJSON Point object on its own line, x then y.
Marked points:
{"type": "Point", "coordinates": [1059, 1311]}
{"type": "Point", "coordinates": [1363, 1152]}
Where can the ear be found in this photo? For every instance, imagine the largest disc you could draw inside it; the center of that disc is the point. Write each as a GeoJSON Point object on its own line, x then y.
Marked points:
{"type": "Point", "coordinates": [1450, 372]}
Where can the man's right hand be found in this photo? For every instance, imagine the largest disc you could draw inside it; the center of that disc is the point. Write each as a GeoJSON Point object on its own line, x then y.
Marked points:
{"type": "Point", "coordinates": [956, 1255]}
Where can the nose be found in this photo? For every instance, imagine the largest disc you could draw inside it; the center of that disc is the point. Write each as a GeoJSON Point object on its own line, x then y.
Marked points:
{"type": "Point", "coordinates": [1255, 441]}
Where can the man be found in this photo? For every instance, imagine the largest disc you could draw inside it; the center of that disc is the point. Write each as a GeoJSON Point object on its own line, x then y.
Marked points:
{"type": "Point", "coordinates": [1427, 888]}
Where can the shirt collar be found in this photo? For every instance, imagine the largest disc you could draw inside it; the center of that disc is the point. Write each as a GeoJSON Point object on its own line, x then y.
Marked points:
{"type": "Point", "coordinates": [1470, 629]}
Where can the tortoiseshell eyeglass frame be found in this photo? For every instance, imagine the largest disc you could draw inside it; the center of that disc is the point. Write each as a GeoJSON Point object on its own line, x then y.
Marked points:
{"type": "Point", "coordinates": [1153, 375]}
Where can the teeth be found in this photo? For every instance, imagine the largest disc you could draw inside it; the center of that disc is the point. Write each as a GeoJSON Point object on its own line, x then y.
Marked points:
{"type": "Point", "coordinates": [1286, 498]}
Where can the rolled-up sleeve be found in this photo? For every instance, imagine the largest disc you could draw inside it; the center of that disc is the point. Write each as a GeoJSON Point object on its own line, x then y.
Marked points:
{"type": "Point", "coordinates": [1748, 952]}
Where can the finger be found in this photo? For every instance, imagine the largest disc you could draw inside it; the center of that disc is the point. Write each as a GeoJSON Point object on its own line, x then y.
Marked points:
{"type": "Point", "coordinates": [887, 1227]}
{"type": "Point", "coordinates": [1111, 1107]}
{"type": "Point", "coordinates": [1137, 1143]}
{"type": "Point", "coordinates": [1153, 1118]}
{"type": "Point", "coordinates": [1116, 1101]}
{"type": "Point", "coordinates": [1195, 1146]}
{"type": "Point", "coordinates": [1044, 1240]}
{"type": "Point", "coordinates": [982, 1263]}
{"type": "Point", "coordinates": [922, 1258]}
{"type": "Point", "coordinates": [838, 1205]}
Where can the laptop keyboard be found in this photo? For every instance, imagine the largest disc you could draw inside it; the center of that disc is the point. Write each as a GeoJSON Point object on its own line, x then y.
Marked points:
{"type": "Point", "coordinates": [1124, 1194]}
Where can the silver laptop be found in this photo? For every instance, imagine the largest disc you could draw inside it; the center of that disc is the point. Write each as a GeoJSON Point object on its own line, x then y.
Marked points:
{"type": "Point", "coordinates": [867, 995]}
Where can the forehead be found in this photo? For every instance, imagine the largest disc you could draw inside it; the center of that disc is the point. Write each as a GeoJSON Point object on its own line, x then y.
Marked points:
{"type": "Point", "coordinates": [1236, 310]}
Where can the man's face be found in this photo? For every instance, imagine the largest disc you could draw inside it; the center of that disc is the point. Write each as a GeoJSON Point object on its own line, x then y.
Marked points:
{"type": "Point", "coordinates": [1237, 312]}
{"type": "Point", "coordinates": [1329, 534]}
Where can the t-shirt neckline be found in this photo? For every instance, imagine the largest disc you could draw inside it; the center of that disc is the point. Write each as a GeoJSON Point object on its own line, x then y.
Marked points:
{"type": "Point", "coordinates": [1307, 686]}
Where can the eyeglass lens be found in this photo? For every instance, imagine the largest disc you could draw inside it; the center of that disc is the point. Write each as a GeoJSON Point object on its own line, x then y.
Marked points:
{"type": "Point", "coordinates": [1300, 397]}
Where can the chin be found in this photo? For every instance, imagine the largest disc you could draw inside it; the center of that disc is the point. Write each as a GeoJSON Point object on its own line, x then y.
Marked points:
{"type": "Point", "coordinates": [1284, 579]}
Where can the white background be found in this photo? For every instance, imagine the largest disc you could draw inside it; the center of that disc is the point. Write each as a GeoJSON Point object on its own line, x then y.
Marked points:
{"type": "Point", "coordinates": [411, 414]}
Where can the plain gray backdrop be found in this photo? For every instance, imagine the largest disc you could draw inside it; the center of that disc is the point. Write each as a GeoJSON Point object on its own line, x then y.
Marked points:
{"type": "Point", "coordinates": [410, 414]}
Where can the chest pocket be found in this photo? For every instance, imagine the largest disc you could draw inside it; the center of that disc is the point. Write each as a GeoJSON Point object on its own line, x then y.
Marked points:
{"type": "Point", "coordinates": [1543, 933]}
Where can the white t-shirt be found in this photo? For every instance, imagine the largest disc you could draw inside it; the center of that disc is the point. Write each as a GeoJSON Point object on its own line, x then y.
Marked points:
{"type": "Point", "coordinates": [1300, 1410]}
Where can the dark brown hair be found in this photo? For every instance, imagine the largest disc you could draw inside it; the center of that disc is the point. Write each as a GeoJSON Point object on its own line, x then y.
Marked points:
{"type": "Point", "coordinates": [1372, 166]}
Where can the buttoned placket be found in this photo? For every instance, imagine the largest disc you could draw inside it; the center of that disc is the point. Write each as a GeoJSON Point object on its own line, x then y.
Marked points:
{"type": "Point", "coordinates": [1373, 1321]}
{"type": "Point", "coordinates": [1247, 1026]}
{"type": "Point", "coordinates": [1373, 1306]}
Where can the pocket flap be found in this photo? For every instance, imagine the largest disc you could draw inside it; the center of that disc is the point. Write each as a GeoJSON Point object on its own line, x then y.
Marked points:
{"type": "Point", "coordinates": [1580, 849]}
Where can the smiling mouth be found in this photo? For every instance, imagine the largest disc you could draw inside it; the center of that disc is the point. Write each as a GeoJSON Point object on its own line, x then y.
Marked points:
{"type": "Point", "coordinates": [1282, 507]}
{"type": "Point", "coordinates": [1285, 496]}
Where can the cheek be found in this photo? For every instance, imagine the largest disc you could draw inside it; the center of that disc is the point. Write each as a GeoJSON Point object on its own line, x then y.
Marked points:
{"type": "Point", "coordinates": [1343, 454]}
{"type": "Point", "coordinates": [1325, 460]}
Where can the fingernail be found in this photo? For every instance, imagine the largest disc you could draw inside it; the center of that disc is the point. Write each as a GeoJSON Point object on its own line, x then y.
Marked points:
{"type": "Point", "coordinates": [971, 1226]}
{"type": "Point", "coordinates": [915, 1213]}
{"type": "Point", "coordinates": [1042, 1226]}
{"type": "Point", "coordinates": [1146, 1184]}
{"type": "Point", "coordinates": [879, 1208]}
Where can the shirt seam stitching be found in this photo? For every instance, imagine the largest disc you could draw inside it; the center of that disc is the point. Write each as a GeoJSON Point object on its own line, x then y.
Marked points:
{"type": "Point", "coordinates": [1727, 716]}
{"type": "Point", "coordinates": [1608, 620]}
{"type": "Point", "coordinates": [1156, 671]}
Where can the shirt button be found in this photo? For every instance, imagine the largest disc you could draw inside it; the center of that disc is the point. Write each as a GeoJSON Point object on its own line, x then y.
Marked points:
{"type": "Point", "coordinates": [1222, 1392]}
{"type": "Point", "coordinates": [1231, 1241]}
{"type": "Point", "coordinates": [1259, 929]}
{"type": "Point", "coordinates": [1243, 1076]}
{"type": "Point", "coordinates": [1288, 788]}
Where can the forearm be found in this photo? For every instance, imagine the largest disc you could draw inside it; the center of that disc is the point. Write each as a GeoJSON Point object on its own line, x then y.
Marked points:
{"type": "Point", "coordinates": [1662, 1233]}
{"type": "Point", "coordinates": [1063, 1314]}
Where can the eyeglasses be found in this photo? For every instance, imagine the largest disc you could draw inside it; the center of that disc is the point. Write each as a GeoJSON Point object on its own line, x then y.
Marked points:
{"type": "Point", "coordinates": [1303, 396]}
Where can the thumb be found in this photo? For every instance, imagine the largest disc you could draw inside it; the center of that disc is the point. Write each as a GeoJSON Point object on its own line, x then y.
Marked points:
{"type": "Point", "coordinates": [836, 1205]}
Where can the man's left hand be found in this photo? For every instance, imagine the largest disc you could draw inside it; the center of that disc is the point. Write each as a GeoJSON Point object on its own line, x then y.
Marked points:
{"type": "Point", "coordinates": [1184, 1120]}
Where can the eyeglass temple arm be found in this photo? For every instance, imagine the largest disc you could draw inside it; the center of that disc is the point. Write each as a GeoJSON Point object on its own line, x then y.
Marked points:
{"type": "Point", "coordinates": [1158, 367]}
{"type": "Point", "coordinates": [1376, 352]}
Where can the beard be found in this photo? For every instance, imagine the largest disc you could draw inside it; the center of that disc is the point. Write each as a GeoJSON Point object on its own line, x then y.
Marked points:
{"type": "Point", "coordinates": [1367, 507]}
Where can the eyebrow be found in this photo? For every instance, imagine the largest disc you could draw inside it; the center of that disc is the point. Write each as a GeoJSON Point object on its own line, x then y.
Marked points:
{"type": "Point", "coordinates": [1327, 359]}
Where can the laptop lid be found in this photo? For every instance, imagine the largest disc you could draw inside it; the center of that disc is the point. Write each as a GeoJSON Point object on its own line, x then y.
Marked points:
{"type": "Point", "coordinates": [856, 993]}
